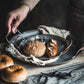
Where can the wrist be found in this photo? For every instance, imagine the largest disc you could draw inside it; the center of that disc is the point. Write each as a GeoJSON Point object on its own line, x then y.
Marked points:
{"type": "Point", "coordinates": [25, 7]}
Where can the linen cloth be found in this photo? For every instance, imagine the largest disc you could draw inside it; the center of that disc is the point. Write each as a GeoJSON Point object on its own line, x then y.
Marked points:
{"type": "Point", "coordinates": [53, 31]}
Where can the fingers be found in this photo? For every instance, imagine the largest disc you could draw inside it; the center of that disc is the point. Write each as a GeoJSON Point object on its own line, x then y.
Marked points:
{"type": "Point", "coordinates": [9, 22]}
{"type": "Point", "coordinates": [12, 23]}
{"type": "Point", "coordinates": [15, 17]}
{"type": "Point", "coordinates": [15, 25]}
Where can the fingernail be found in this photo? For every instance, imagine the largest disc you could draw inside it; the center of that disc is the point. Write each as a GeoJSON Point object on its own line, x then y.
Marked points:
{"type": "Point", "coordinates": [14, 30]}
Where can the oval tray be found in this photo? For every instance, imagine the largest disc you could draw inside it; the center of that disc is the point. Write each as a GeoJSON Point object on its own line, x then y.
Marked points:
{"type": "Point", "coordinates": [66, 47]}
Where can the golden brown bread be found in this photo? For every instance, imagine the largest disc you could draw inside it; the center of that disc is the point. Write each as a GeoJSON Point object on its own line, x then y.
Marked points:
{"type": "Point", "coordinates": [14, 74]}
{"type": "Point", "coordinates": [5, 61]}
{"type": "Point", "coordinates": [36, 48]}
{"type": "Point", "coordinates": [52, 48]}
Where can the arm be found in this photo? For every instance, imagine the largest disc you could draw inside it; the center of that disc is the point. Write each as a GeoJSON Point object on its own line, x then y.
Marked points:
{"type": "Point", "coordinates": [30, 3]}
{"type": "Point", "coordinates": [16, 16]}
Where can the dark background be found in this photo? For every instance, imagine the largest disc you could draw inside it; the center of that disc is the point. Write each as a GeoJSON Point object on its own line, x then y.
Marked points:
{"type": "Point", "coordinates": [64, 14]}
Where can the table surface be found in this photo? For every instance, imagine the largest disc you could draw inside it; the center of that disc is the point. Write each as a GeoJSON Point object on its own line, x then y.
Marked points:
{"type": "Point", "coordinates": [33, 69]}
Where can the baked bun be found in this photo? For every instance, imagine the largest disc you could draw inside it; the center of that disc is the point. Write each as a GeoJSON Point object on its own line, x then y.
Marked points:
{"type": "Point", "coordinates": [36, 48]}
{"type": "Point", "coordinates": [52, 48]}
{"type": "Point", "coordinates": [5, 61]}
{"type": "Point", "coordinates": [14, 74]}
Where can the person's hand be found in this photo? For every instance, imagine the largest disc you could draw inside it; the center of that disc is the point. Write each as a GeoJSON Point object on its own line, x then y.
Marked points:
{"type": "Point", "coordinates": [15, 17]}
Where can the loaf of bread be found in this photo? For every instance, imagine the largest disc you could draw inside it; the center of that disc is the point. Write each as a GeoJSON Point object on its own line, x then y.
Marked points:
{"type": "Point", "coordinates": [36, 48]}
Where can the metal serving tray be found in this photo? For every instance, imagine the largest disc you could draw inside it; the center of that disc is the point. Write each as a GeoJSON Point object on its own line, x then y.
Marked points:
{"type": "Point", "coordinates": [66, 48]}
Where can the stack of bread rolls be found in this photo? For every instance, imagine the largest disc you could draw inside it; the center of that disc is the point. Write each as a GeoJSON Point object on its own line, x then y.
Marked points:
{"type": "Point", "coordinates": [11, 73]}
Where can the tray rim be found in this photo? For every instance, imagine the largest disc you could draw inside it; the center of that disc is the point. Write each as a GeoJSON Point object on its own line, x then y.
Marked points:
{"type": "Point", "coordinates": [40, 34]}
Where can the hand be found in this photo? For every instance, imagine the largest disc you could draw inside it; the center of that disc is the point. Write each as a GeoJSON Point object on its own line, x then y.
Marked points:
{"type": "Point", "coordinates": [15, 17]}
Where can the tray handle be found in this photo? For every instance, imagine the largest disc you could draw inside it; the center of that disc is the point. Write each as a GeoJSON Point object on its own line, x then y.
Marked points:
{"type": "Point", "coordinates": [9, 34]}
{"type": "Point", "coordinates": [15, 42]}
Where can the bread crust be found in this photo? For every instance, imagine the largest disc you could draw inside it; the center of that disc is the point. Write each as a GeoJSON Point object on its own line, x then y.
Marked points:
{"type": "Point", "coordinates": [36, 48]}
{"type": "Point", "coordinates": [52, 48]}
{"type": "Point", "coordinates": [5, 61]}
{"type": "Point", "coordinates": [14, 74]}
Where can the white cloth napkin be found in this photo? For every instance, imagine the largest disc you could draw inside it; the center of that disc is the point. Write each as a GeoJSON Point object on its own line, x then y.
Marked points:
{"type": "Point", "coordinates": [53, 31]}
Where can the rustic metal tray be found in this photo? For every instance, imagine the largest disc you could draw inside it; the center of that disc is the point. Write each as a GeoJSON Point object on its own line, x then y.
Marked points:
{"type": "Point", "coordinates": [66, 48]}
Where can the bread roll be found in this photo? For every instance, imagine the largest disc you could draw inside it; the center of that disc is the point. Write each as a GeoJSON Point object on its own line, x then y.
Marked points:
{"type": "Point", "coordinates": [5, 61]}
{"type": "Point", "coordinates": [52, 48]}
{"type": "Point", "coordinates": [36, 48]}
{"type": "Point", "coordinates": [14, 74]}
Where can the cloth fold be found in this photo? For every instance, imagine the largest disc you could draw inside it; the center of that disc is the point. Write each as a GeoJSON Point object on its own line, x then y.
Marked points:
{"type": "Point", "coordinates": [53, 31]}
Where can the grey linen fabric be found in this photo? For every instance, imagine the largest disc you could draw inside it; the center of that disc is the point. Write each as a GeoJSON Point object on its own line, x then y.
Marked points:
{"type": "Point", "coordinates": [66, 76]}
